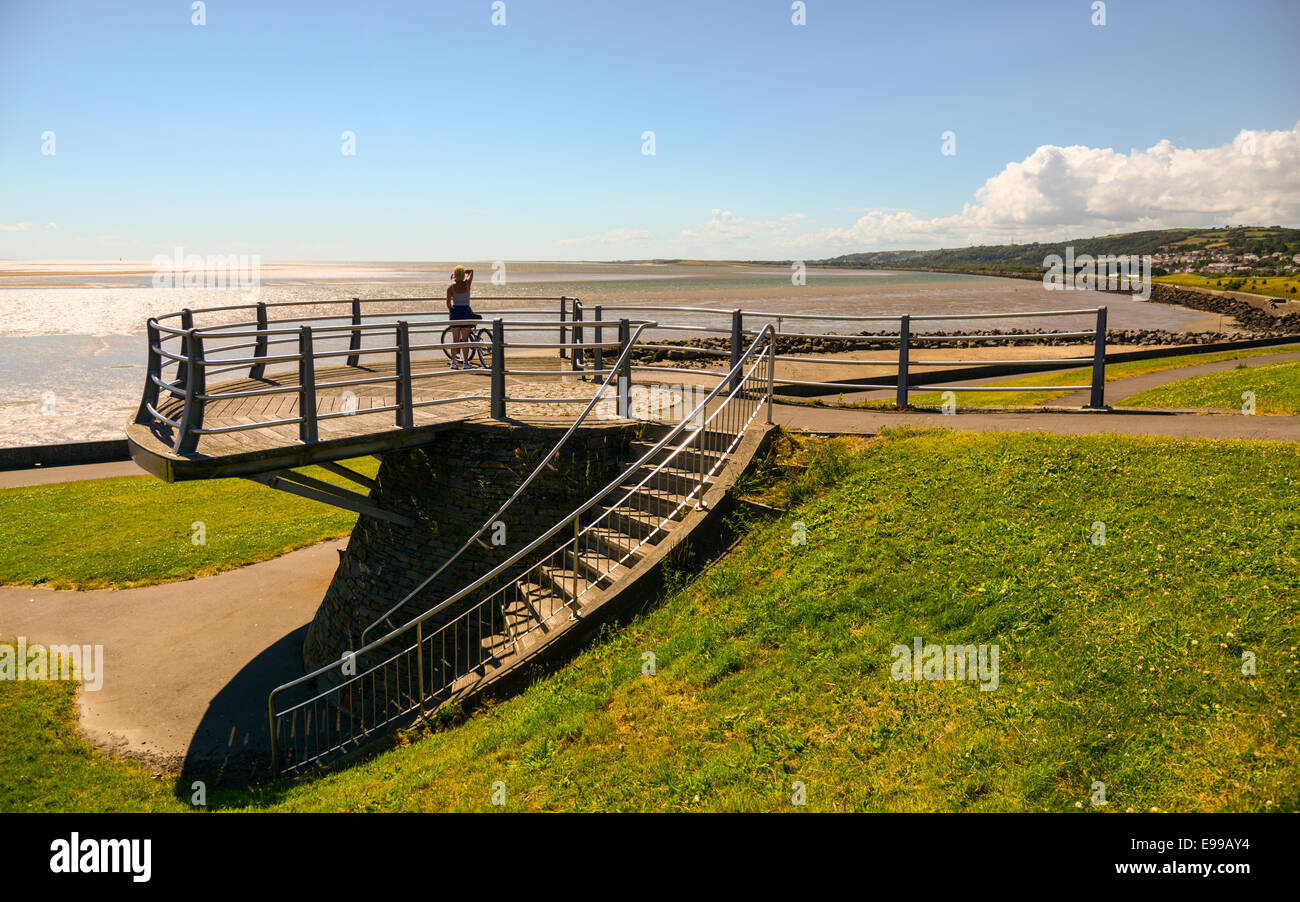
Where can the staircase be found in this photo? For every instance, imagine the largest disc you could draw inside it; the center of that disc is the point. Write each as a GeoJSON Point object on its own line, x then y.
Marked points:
{"type": "Point", "coordinates": [544, 597]}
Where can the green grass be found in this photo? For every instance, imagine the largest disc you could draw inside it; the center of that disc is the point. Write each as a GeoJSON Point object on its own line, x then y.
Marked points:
{"type": "Point", "coordinates": [1285, 287]}
{"type": "Point", "coordinates": [1119, 662]}
{"type": "Point", "coordinates": [138, 530]}
{"type": "Point", "coordinates": [1081, 376]}
{"type": "Point", "coordinates": [1276, 387]}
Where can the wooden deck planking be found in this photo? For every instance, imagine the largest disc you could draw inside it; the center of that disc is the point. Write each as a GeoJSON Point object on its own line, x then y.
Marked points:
{"type": "Point", "coordinates": [156, 440]}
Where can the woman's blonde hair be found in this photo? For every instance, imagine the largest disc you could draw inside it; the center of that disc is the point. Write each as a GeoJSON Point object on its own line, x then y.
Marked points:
{"type": "Point", "coordinates": [458, 274]}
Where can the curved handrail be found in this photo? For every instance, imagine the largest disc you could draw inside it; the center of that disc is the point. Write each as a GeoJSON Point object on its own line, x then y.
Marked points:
{"type": "Point", "coordinates": [768, 329]}
{"type": "Point", "coordinates": [591, 405]}
{"type": "Point", "coordinates": [354, 712]}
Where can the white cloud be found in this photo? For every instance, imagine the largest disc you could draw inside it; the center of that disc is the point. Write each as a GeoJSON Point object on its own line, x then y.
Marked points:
{"type": "Point", "coordinates": [16, 227]}
{"type": "Point", "coordinates": [51, 227]}
{"type": "Point", "coordinates": [1063, 192]}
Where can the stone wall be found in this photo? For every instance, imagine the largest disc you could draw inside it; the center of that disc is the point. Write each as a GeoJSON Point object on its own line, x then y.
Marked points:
{"type": "Point", "coordinates": [450, 488]}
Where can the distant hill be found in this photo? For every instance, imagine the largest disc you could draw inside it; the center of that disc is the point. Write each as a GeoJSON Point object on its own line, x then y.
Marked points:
{"type": "Point", "coordinates": [1261, 240]}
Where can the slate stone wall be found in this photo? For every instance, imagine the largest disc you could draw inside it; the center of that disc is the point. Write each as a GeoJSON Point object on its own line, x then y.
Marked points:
{"type": "Point", "coordinates": [450, 488]}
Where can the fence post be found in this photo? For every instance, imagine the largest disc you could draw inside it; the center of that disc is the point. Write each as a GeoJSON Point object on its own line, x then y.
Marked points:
{"type": "Point", "coordinates": [1098, 400]}
{"type": "Point", "coordinates": [625, 372]}
{"type": "Point", "coordinates": [354, 344]}
{"type": "Point", "coordinates": [405, 408]}
{"type": "Point", "coordinates": [306, 386]}
{"type": "Point", "coordinates": [183, 369]}
{"type": "Point", "coordinates": [153, 371]}
{"type": "Point", "coordinates": [498, 370]}
{"type": "Point", "coordinates": [600, 361]}
{"type": "Point", "coordinates": [195, 387]}
{"type": "Point", "coordinates": [904, 335]}
{"type": "Point", "coordinates": [563, 329]}
{"type": "Point", "coordinates": [736, 339]}
{"type": "Point", "coordinates": [771, 376]}
{"type": "Point", "coordinates": [419, 660]}
{"type": "Point", "coordinates": [578, 361]}
{"type": "Point", "coordinates": [258, 370]}
{"type": "Point", "coordinates": [270, 716]}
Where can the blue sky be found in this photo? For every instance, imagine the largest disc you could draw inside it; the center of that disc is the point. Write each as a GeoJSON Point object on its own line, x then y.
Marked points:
{"type": "Point", "coordinates": [525, 140]}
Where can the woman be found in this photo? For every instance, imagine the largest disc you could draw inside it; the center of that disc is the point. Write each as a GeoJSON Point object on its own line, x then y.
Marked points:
{"type": "Point", "coordinates": [458, 309]}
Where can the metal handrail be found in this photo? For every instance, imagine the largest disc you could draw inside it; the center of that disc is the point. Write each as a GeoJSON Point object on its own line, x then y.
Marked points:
{"type": "Point", "coordinates": [733, 378]}
{"type": "Point", "coordinates": [192, 363]}
{"type": "Point", "coordinates": [613, 373]}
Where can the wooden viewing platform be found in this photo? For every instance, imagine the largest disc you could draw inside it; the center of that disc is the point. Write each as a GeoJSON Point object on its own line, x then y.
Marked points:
{"type": "Point", "coordinates": [271, 448]}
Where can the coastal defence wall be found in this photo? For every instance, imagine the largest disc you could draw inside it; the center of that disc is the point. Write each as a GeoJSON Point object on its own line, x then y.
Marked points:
{"type": "Point", "coordinates": [450, 488]}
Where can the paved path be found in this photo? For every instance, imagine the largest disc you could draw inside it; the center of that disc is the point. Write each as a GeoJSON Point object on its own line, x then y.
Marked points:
{"type": "Point", "coordinates": [76, 473]}
{"type": "Point", "coordinates": [1120, 389]}
{"type": "Point", "coordinates": [187, 665]}
{"type": "Point", "coordinates": [1078, 422]}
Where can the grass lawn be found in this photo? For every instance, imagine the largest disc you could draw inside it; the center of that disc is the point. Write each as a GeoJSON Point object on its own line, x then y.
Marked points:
{"type": "Point", "coordinates": [1276, 388]}
{"type": "Point", "coordinates": [1119, 662]}
{"type": "Point", "coordinates": [1081, 376]}
{"type": "Point", "coordinates": [1285, 287]}
{"type": "Point", "coordinates": [138, 530]}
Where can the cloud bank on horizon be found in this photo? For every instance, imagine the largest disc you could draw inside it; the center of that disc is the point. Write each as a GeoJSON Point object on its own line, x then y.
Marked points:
{"type": "Point", "coordinates": [1054, 193]}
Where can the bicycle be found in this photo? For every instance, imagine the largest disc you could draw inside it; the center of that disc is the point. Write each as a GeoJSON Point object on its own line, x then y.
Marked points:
{"type": "Point", "coordinates": [472, 356]}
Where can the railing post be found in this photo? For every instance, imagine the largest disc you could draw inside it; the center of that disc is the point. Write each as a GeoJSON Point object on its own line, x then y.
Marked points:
{"type": "Point", "coordinates": [498, 410]}
{"type": "Point", "coordinates": [195, 387]}
{"type": "Point", "coordinates": [419, 660]}
{"type": "Point", "coordinates": [771, 375]}
{"type": "Point", "coordinates": [578, 361]}
{"type": "Point", "coordinates": [625, 372]}
{"type": "Point", "coordinates": [736, 339]}
{"type": "Point", "coordinates": [153, 371]}
{"type": "Point", "coordinates": [563, 329]}
{"type": "Point", "coordinates": [306, 386]}
{"type": "Point", "coordinates": [573, 609]}
{"type": "Point", "coordinates": [270, 716]}
{"type": "Point", "coordinates": [183, 368]}
{"type": "Point", "coordinates": [1098, 400]}
{"type": "Point", "coordinates": [354, 343]}
{"type": "Point", "coordinates": [904, 336]}
{"type": "Point", "coordinates": [600, 362]}
{"type": "Point", "coordinates": [405, 405]}
{"type": "Point", "coordinates": [258, 370]}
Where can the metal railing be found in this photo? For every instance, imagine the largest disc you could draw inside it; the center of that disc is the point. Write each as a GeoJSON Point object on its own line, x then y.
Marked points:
{"type": "Point", "coordinates": [622, 408]}
{"type": "Point", "coordinates": [183, 372]}
{"type": "Point", "coordinates": [339, 707]}
{"type": "Point", "coordinates": [905, 381]}
{"type": "Point", "coordinates": [393, 337]}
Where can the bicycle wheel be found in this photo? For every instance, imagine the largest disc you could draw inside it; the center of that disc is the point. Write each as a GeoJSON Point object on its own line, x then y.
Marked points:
{"type": "Point", "coordinates": [449, 338]}
{"type": "Point", "coordinates": [476, 356]}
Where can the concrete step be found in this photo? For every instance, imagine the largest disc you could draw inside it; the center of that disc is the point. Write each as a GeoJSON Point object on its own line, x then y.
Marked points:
{"type": "Point", "coordinates": [528, 606]}
{"type": "Point", "coordinates": [617, 545]}
{"type": "Point", "coordinates": [600, 568]}
{"type": "Point", "coordinates": [657, 501]}
{"type": "Point", "coordinates": [560, 581]}
{"type": "Point", "coordinates": [639, 524]}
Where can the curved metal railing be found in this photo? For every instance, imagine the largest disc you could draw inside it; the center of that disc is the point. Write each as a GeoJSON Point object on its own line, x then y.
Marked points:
{"type": "Point", "coordinates": [183, 372]}
{"type": "Point", "coordinates": [620, 364]}
{"type": "Point", "coordinates": [345, 703]}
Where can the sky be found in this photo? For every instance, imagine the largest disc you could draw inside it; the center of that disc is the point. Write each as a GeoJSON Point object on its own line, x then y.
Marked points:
{"type": "Point", "coordinates": [127, 130]}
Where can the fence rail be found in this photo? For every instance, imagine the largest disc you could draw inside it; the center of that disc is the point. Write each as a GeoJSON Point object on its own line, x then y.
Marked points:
{"type": "Point", "coordinates": [339, 707]}
{"type": "Point", "coordinates": [183, 358]}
